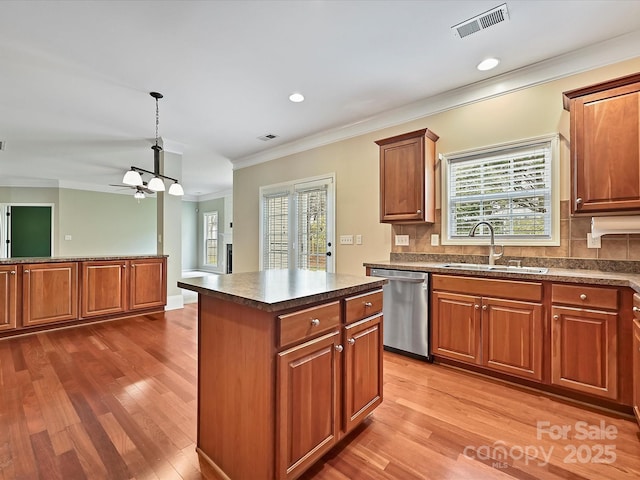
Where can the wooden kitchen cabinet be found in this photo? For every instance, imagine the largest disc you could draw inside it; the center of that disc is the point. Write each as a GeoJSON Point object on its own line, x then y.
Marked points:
{"type": "Point", "coordinates": [636, 357]}
{"type": "Point", "coordinates": [308, 407]}
{"type": "Point", "coordinates": [49, 293]}
{"type": "Point", "coordinates": [147, 283]}
{"type": "Point", "coordinates": [605, 145]}
{"type": "Point", "coordinates": [104, 288]}
{"type": "Point", "coordinates": [362, 370]}
{"type": "Point", "coordinates": [407, 177]}
{"type": "Point", "coordinates": [584, 339]}
{"type": "Point", "coordinates": [502, 334]}
{"type": "Point", "coordinates": [8, 296]}
{"type": "Point", "coordinates": [455, 327]}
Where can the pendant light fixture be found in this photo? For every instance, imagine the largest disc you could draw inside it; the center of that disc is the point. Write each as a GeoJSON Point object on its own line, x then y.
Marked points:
{"type": "Point", "coordinates": [133, 177]}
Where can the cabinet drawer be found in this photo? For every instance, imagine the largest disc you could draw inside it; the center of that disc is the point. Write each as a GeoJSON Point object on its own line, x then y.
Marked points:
{"type": "Point", "coordinates": [587, 297]}
{"type": "Point", "coordinates": [363, 306]}
{"type": "Point", "coordinates": [636, 306]}
{"type": "Point", "coordinates": [297, 326]}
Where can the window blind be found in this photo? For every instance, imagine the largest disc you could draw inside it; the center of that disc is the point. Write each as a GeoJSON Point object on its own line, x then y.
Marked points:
{"type": "Point", "coordinates": [276, 230]}
{"type": "Point", "coordinates": [510, 188]}
{"type": "Point", "coordinates": [312, 228]}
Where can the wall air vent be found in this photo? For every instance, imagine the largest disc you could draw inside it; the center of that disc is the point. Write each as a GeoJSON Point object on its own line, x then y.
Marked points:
{"type": "Point", "coordinates": [267, 137]}
{"type": "Point", "coordinates": [480, 22]}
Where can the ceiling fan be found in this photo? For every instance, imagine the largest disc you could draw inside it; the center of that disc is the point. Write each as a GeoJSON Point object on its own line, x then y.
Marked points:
{"type": "Point", "coordinates": [140, 190]}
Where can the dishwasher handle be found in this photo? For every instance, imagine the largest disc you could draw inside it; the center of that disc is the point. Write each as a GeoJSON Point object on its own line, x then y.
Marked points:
{"type": "Point", "coordinates": [405, 279]}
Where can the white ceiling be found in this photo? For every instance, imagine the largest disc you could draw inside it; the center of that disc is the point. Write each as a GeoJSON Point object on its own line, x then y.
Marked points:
{"type": "Point", "coordinates": [75, 76]}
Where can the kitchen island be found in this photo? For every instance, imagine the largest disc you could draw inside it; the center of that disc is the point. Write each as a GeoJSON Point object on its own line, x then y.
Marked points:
{"type": "Point", "coordinates": [289, 362]}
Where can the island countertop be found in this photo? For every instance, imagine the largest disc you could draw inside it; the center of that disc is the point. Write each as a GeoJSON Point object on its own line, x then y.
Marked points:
{"type": "Point", "coordinates": [273, 290]}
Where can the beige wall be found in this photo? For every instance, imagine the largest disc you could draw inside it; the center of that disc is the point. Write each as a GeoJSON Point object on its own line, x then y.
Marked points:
{"type": "Point", "coordinates": [105, 224]}
{"type": "Point", "coordinates": [522, 114]}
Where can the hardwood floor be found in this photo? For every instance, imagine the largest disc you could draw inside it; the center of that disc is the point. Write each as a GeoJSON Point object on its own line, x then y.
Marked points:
{"type": "Point", "coordinates": [117, 400]}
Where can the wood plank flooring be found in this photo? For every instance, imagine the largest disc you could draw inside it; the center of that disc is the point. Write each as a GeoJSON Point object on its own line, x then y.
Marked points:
{"type": "Point", "coordinates": [117, 400]}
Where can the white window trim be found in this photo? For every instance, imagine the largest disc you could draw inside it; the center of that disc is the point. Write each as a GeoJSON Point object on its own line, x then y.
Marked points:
{"type": "Point", "coordinates": [291, 187]}
{"type": "Point", "coordinates": [555, 194]}
{"type": "Point", "coordinates": [210, 266]}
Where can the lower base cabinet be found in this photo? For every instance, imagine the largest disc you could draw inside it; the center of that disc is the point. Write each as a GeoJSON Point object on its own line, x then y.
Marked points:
{"type": "Point", "coordinates": [636, 357]}
{"type": "Point", "coordinates": [502, 334]}
{"type": "Point", "coordinates": [49, 293]}
{"type": "Point", "coordinates": [584, 339]}
{"type": "Point", "coordinates": [8, 297]}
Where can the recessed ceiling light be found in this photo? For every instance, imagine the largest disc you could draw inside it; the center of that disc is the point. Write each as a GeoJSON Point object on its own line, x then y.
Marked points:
{"type": "Point", "coordinates": [488, 64]}
{"type": "Point", "coordinates": [296, 97]}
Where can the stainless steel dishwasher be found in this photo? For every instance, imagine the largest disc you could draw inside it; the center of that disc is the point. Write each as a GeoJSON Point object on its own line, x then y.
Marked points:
{"type": "Point", "coordinates": [406, 312]}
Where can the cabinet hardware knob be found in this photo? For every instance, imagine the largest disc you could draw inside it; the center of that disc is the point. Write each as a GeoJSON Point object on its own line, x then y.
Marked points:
{"type": "Point", "coordinates": [124, 266]}
{"type": "Point", "coordinates": [556, 317]}
{"type": "Point", "coordinates": [578, 201]}
{"type": "Point", "coordinates": [477, 307]}
{"type": "Point", "coordinates": [315, 322]}
{"type": "Point", "coordinates": [484, 307]}
{"type": "Point", "coordinates": [339, 348]}
{"type": "Point", "coordinates": [351, 341]}
{"type": "Point", "coordinates": [133, 265]}
{"type": "Point", "coordinates": [26, 271]}
{"type": "Point", "coordinates": [13, 272]}
{"type": "Point", "coordinates": [635, 309]}
{"type": "Point", "coordinates": [419, 211]}
{"type": "Point", "coordinates": [583, 296]}
{"type": "Point", "coordinates": [368, 304]}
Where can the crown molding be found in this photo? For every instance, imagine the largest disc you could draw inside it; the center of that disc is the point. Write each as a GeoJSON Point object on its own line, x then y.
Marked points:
{"type": "Point", "coordinates": [618, 49]}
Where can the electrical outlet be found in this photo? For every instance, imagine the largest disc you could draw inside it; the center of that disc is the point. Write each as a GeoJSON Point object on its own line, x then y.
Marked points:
{"type": "Point", "coordinates": [346, 239]}
{"type": "Point", "coordinates": [435, 239]}
{"type": "Point", "coordinates": [68, 237]}
{"type": "Point", "coordinates": [358, 239]}
{"type": "Point", "coordinates": [593, 242]}
{"type": "Point", "coordinates": [402, 240]}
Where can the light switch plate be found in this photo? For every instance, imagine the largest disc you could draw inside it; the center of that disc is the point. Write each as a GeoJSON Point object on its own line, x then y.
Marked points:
{"type": "Point", "coordinates": [346, 239]}
{"type": "Point", "coordinates": [435, 239]}
{"type": "Point", "coordinates": [402, 240]}
{"type": "Point", "coordinates": [358, 239]}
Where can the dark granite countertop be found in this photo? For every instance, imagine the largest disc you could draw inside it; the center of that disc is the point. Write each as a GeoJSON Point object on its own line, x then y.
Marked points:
{"type": "Point", "coordinates": [274, 290]}
{"type": "Point", "coordinates": [79, 258]}
{"type": "Point", "coordinates": [555, 274]}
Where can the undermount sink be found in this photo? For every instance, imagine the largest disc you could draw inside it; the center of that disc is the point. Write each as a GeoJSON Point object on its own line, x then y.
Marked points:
{"type": "Point", "coordinates": [495, 268]}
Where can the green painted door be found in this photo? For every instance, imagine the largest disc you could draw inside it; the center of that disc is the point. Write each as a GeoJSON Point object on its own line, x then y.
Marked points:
{"type": "Point", "coordinates": [30, 231]}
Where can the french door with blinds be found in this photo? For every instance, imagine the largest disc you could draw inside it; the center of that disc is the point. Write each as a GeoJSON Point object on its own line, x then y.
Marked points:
{"type": "Point", "coordinates": [297, 225]}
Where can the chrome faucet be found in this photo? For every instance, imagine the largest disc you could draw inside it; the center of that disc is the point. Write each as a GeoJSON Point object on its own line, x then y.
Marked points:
{"type": "Point", "coordinates": [493, 256]}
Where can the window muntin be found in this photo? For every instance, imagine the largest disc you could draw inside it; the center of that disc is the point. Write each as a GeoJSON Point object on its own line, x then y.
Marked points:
{"type": "Point", "coordinates": [510, 186]}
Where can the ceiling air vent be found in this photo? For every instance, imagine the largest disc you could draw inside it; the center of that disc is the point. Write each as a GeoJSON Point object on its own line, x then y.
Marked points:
{"type": "Point", "coordinates": [480, 22]}
{"type": "Point", "coordinates": [267, 137]}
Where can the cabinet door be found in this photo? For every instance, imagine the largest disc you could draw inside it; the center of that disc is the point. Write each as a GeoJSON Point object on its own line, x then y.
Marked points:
{"type": "Point", "coordinates": [606, 150]}
{"type": "Point", "coordinates": [636, 369]}
{"type": "Point", "coordinates": [584, 351]}
{"type": "Point", "coordinates": [49, 293]}
{"type": "Point", "coordinates": [363, 370]}
{"type": "Point", "coordinates": [513, 336]}
{"type": "Point", "coordinates": [104, 288]}
{"type": "Point", "coordinates": [455, 329]}
{"type": "Point", "coordinates": [8, 296]}
{"type": "Point", "coordinates": [148, 283]}
{"type": "Point", "coordinates": [307, 409]}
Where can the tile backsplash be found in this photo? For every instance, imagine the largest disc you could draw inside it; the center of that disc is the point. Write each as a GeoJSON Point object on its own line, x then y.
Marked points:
{"type": "Point", "coordinates": [573, 241]}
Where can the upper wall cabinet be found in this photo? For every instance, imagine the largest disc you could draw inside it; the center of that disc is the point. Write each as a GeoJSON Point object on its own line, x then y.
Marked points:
{"type": "Point", "coordinates": [407, 171]}
{"type": "Point", "coordinates": [605, 146]}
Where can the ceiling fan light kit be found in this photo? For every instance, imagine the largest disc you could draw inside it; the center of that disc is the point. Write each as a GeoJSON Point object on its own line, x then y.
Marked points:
{"type": "Point", "coordinates": [133, 177]}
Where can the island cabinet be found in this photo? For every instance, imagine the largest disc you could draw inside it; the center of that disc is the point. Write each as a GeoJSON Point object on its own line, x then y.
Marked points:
{"type": "Point", "coordinates": [8, 296]}
{"type": "Point", "coordinates": [49, 293]}
{"type": "Point", "coordinates": [605, 145]}
{"type": "Point", "coordinates": [277, 389]}
{"type": "Point", "coordinates": [496, 324]}
{"type": "Point", "coordinates": [584, 339]}
{"type": "Point", "coordinates": [636, 357]}
{"type": "Point", "coordinates": [407, 177]}
{"type": "Point", "coordinates": [104, 287]}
